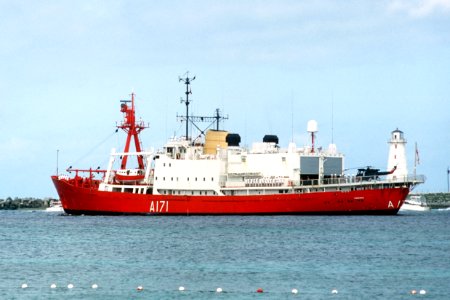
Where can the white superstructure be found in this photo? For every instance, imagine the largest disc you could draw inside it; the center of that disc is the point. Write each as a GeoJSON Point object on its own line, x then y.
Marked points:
{"type": "Point", "coordinates": [184, 169]}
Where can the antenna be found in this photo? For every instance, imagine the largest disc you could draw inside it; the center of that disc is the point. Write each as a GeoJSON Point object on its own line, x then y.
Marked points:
{"type": "Point", "coordinates": [332, 119]}
{"type": "Point", "coordinates": [57, 161]}
{"type": "Point", "coordinates": [218, 118]}
{"type": "Point", "coordinates": [187, 82]}
{"type": "Point", "coordinates": [192, 119]}
{"type": "Point", "coordinates": [312, 129]}
{"type": "Point", "coordinates": [292, 116]}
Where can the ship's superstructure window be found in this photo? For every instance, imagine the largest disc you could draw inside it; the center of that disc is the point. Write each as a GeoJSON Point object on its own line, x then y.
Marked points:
{"type": "Point", "coordinates": [332, 165]}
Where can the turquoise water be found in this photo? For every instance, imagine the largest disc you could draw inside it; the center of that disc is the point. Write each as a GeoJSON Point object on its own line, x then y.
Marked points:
{"type": "Point", "coordinates": [362, 257]}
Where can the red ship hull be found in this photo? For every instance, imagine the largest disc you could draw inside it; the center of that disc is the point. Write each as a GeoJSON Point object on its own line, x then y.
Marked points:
{"type": "Point", "coordinates": [89, 200]}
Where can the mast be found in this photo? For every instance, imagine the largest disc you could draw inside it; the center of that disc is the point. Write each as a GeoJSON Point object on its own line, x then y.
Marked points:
{"type": "Point", "coordinates": [218, 117]}
{"type": "Point", "coordinates": [187, 82]}
{"type": "Point", "coordinates": [57, 161]}
{"type": "Point", "coordinates": [193, 119]}
{"type": "Point", "coordinates": [448, 182]}
{"type": "Point", "coordinates": [132, 128]}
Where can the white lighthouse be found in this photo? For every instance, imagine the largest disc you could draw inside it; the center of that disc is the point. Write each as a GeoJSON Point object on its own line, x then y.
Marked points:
{"type": "Point", "coordinates": [397, 155]}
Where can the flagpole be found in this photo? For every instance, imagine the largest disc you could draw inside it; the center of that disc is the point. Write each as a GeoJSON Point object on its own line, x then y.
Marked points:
{"type": "Point", "coordinates": [448, 185]}
{"type": "Point", "coordinates": [57, 162]}
{"type": "Point", "coordinates": [416, 157]}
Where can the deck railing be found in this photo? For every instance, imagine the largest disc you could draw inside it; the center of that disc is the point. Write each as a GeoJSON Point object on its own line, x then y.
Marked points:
{"type": "Point", "coordinates": [414, 179]}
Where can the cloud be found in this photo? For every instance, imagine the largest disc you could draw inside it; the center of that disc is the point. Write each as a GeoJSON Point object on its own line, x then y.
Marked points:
{"type": "Point", "coordinates": [420, 9]}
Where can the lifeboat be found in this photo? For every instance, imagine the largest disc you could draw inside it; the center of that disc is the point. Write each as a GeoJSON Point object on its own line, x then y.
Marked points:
{"type": "Point", "coordinates": [130, 175]}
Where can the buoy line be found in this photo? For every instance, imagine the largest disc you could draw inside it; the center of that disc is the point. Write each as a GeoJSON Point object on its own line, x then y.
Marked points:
{"type": "Point", "coordinates": [217, 290]}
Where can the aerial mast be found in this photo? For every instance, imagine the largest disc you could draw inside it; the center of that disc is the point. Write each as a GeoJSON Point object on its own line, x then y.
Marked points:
{"type": "Point", "coordinates": [312, 129]}
{"type": "Point", "coordinates": [187, 82]}
{"type": "Point", "coordinates": [193, 119]}
{"type": "Point", "coordinates": [218, 117]}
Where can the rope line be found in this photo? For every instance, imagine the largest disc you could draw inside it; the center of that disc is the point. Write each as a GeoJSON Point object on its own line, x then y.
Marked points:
{"type": "Point", "coordinates": [94, 148]}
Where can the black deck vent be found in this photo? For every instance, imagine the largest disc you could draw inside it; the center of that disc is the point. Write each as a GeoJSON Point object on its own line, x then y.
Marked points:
{"type": "Point", "coordinates": [233, 139]}
{"type": "Point", "coordinates": [269, 138]}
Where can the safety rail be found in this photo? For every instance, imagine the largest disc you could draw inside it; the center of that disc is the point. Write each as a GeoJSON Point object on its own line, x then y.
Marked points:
{"type": "Point", "coordinates": [415, 179]}
{"type": "Point", "coordinates": [335, 181]}
{"type": "Point", "coordinates": [83, 181]}
{"type": "Point", "coordinates": [90, 171]}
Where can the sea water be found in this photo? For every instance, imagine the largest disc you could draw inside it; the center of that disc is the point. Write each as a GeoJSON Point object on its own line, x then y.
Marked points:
{"type": "Point", "coordinates": [323, 257]}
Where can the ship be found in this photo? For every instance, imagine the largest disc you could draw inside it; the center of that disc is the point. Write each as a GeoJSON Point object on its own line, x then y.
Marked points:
{"type": "Point", "coordinates": [416, 202]}
{"type": "Point", "coordinates": [54, 206]}
{"type": "Point", "coordinates": [212, 174]}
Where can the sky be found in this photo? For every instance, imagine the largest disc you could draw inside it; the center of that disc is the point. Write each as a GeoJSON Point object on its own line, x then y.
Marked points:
{"type": "Point", "coordinates": [361, 69]}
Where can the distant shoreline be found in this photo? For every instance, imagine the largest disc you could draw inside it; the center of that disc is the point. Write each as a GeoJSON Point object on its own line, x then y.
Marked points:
{"type": "Point", "coordinates": [24, 203]}
{"type": "Point", "coordinates": [436, 200]}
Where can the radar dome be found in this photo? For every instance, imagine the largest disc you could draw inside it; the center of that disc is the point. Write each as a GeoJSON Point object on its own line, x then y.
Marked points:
{"type": "Point", "coordinates": [312, 126]}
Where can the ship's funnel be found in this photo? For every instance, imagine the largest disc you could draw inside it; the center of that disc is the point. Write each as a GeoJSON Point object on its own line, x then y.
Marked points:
{"type": "Point", "coordinates": [214, 139]}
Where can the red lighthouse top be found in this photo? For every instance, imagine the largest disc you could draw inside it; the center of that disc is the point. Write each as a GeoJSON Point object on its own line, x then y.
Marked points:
{"type": "Point", "coordinates": [132, 128]}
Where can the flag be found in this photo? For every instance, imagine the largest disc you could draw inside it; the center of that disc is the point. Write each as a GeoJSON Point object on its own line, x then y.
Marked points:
{"type": "Point", "coordinates": [417, 159]}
